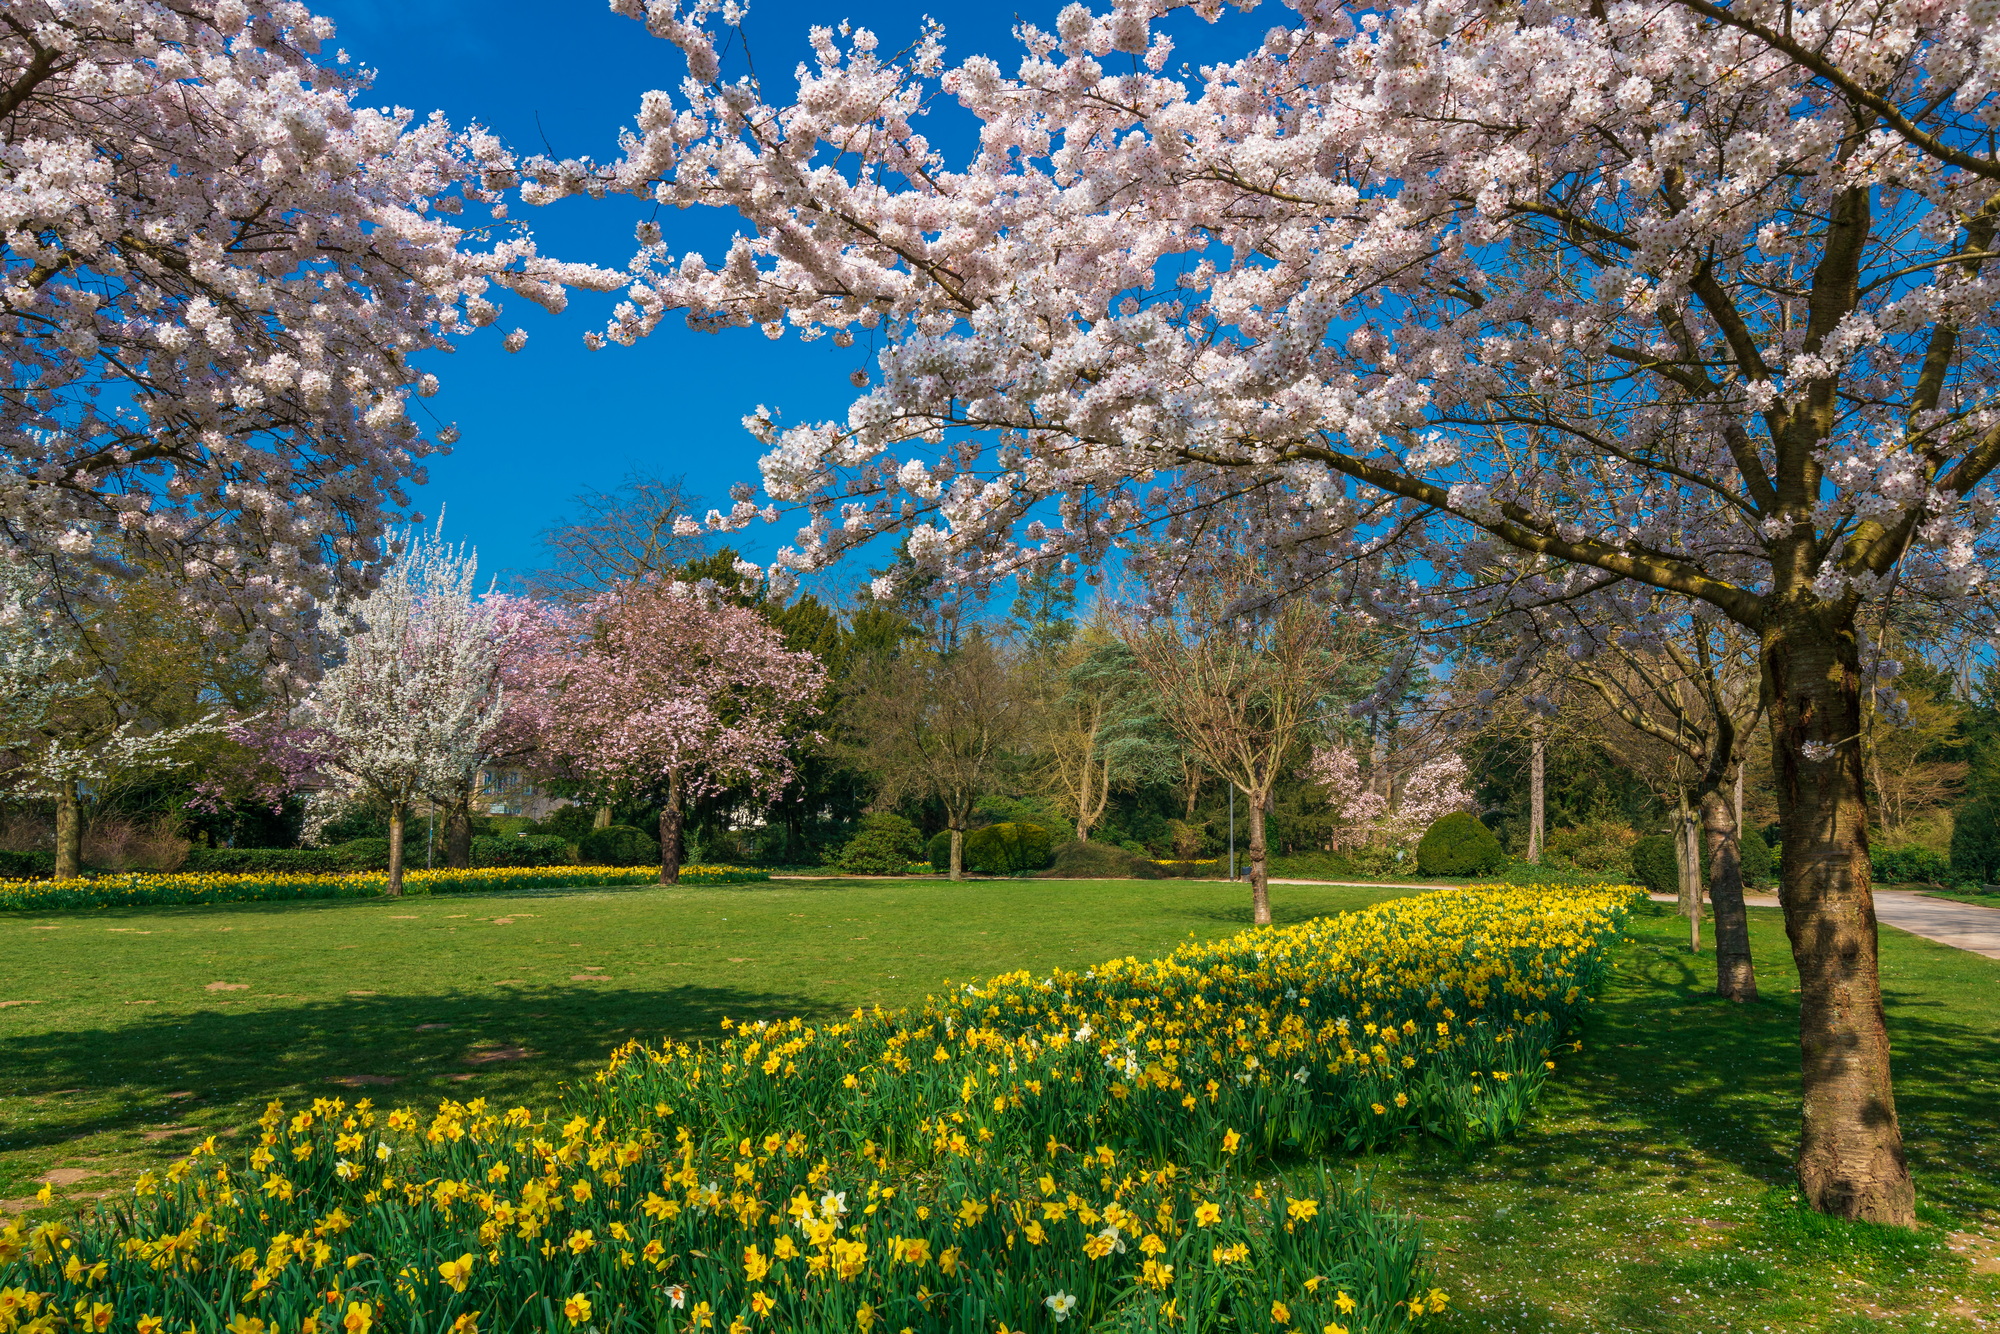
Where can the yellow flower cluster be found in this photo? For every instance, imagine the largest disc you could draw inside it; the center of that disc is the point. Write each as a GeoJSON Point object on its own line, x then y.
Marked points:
{"type": "Point", "coordinates": [1090, 1145]}
{"type": "Point", "coordinates": [238, 887]}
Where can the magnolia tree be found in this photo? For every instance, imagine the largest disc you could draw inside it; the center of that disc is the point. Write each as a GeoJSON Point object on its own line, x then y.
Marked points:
{"type": "Point", "coordinates": [1693, 294]}
{"type": "Point", "coordinates": [1368, 815]}
{"type": "Point", "coordinates": [64, 728]}
{"type": "Point", "coordinates": [408, 711]}
{"type": "Point", "coordinates": [217, 272]}
{"type": "Point", "coordinates": [670, 693]}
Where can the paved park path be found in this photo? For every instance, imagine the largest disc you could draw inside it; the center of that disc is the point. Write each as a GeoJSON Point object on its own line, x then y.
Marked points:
{"type": "Point", "coordinates": [1965, 926]}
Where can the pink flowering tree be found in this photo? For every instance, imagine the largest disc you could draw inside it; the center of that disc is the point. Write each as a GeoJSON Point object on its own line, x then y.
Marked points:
{"type": "Point", "coordinates": [220, 275]}
{"type": "Point", "coordinates": [671, 694]}
{"type": "Point", "coordinates": [1367, 815]}
{"type": "Point", "coordinates": [1699, 294]}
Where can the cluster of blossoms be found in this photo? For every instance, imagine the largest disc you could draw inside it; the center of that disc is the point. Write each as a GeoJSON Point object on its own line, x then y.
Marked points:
{"type": "Point", "coordinates": [217, 272]}
{"type": "Point", "coordinates": [1093, 1146]}
{"type": "Point", "coordinates": [1367, 814]}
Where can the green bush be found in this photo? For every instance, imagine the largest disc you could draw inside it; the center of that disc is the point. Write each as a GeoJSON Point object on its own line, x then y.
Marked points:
{"type": "Point", "coordinates": [1901, 865]}
{"type": "Point", "coordinates": [1760, 864]}
{"type": "Point", "coordinates": [1599, 847]}
{"type": "Point", "coordinates": [1100, 861]}
{"type": "Point", "coordinates": [538, 850]}
{"type": "Point", "coordinates": [938, 850]}
{"type": "Point", "coordinates": [615, 845]}
{"type": "Point", "coordinates": [1528, 873]}
{"type": "Point", "coordinates": [1655, 866]}
{"type": "Point", "coordinates": [1975, 841]}
{"type": "Point", "coordinates": [1008, 849]}
{"type": "Point", "coordinates": [885, 845]}
{"type": "Point", "coordinates": [1458, 845]}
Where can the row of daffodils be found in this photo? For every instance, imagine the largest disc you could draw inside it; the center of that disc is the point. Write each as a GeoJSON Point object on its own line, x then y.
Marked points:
{"type": "Point", "coordinates": [1136, 1147]}
{"type": "Point", "coordinates": [143, 888]}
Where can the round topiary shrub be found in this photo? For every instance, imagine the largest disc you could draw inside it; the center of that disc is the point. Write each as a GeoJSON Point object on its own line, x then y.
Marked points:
{"type": "Point", "coordinates": [1007, 849]}
{"type": "Point", "coordinates": [1459, 845]}
{"type": "Point", "coordinates": [938, 850]}
{"type": "Point", "coordinates": [619, 845]}
{"type": "Point", "coordinates": [885, 845]}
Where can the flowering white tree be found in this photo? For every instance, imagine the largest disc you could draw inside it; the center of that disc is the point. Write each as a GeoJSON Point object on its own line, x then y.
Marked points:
{"type": "Point", "coordinates": [1696, 294]}
{"type": "Point", "coordinates": [217, 274]}
{"type": "Point", "coordinates": [407, 712]}
{"type": "Point", "coordinates": [673, 694]}
{"type": "Point", "coordinates": [63, 726]}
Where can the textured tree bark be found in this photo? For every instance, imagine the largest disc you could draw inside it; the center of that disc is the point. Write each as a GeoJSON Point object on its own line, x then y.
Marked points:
{"type": "Point", "coordinates": [957, 852]}
{"type": "Point", "coordinates": [1851, 1161]}
{"type": "Point", "coordinates": [670, 832]}
{"type": "Point", "coordinates": [69, 832]}
{"type": "Point", "coordinates": [1735, 975]}
{"type": "Point", "coordinates": [458, 833]}
{"type": "Point", "coordinates": [395, 889]}
{"type": "Point", "coordinates": [1260, 883]}
{"type": "Point", "coordinates": [1537, 809]}
{"type": "Point", "coordinates": [1687, 860]}
{"type": "Point", "coordinates": [602, 820]}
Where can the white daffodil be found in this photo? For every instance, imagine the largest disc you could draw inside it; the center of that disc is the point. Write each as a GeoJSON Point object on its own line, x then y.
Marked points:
{"type": "Point", "coordinates": [1061, 1304]}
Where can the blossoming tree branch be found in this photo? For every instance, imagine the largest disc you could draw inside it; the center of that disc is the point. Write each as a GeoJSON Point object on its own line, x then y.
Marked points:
{"type": "Point", "coordinates": [1692, 294]}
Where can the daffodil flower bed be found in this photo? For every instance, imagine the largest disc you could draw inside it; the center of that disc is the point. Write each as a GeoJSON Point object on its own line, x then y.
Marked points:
{"type": "Point", "coordinates": [143, 888]}
{"type": "Point", "coordinates": [1129, 1148]}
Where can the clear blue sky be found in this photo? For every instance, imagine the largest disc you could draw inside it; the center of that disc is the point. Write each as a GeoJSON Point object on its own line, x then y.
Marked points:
{"type": "Point", "coordinates": [556, 418]}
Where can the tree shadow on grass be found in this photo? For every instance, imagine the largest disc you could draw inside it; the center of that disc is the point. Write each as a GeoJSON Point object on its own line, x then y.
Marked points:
{"type": "Point", "coordinates": [521, 1046]}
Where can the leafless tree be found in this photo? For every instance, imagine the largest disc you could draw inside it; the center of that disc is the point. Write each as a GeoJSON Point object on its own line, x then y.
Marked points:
{"type": "Point", "coordinates": [1241, 692]}
{"type": "Point", "coordinates": [617, 537]}
{"type": "Point", "coordinates": [934, 722]}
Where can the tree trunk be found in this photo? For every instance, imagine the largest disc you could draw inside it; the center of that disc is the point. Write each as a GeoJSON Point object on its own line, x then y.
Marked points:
{"type": "Point", "coordinates": [458, 833]}
{"type": "Point", "coordinates": [69, 831]}
{"type": "Point", "coordinates": [1537, 810]}
{"type": "Point", "coordinates": [957, 852]}
{"type": "Point", "coordinates": [1851, 1160]}
{"type": "Point", "coordinates": [1735, 976]}
{"type": "Point", "coordinates": [395, 888]}
{"type": "Point", "coordinates": [603, 818]}
{"type": "Point", "coordinates": [1260, 884]}
{"type": "Point", "coordinates": [670, 832]}
{"type": "Point", "coordinates": [1687, 859]}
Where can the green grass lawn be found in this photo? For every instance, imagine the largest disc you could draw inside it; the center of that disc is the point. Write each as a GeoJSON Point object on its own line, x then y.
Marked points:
{"type": "Point", "coordinates": [1651, 1192]}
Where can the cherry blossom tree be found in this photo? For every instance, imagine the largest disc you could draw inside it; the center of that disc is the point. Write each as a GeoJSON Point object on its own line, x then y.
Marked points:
{"type": "Point", "coordinates": [1430, 792]}
{"type": "Point", "coordinates": [1697, 294]}
{"type": "Point", "coordinates": [408, 710]}
{"type": "Point", "coordinates": [219, 277]}
{"type": "Point", "coordinates": [674, 694]}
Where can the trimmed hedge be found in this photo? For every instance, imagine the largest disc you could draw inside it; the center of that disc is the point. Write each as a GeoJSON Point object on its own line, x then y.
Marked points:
{"type": "Point", "coordinates": [1458, 845]}
{"type": "Point", "coordinates": [1008, 849]}
{"type": "Point", "coordinates": [938, 850]}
